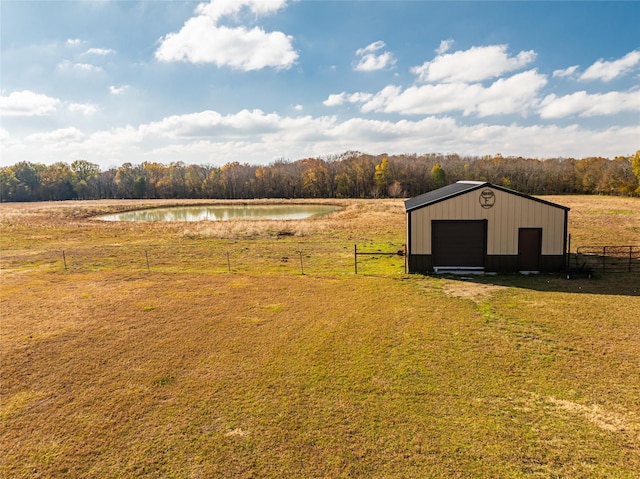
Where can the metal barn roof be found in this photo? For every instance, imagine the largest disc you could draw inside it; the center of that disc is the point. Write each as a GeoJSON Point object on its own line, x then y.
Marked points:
{"type": "Point", "coordinates": [461, 187]}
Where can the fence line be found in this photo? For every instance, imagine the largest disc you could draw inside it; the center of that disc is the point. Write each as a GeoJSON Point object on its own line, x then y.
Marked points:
{"type": "Point", "coordinates": [609, 259]}
{"type": "Point", "coordinates": [242, 257]}
{"type": "Point", "coordinates": [401, 252]}
{"type": "Point", "coordinates": [287, 257]}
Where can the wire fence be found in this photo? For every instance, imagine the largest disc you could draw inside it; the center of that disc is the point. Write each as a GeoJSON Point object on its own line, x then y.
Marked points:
{"type": "Point", "coordinates": [237, 257]}
{"type": "Point", "coordinates": [608, 259]}
{"type": "Point", "coordinates": [272, 257]}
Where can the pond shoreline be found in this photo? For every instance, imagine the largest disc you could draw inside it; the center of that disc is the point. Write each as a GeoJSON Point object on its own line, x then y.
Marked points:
{"type": "Point", "coordinates": [225, 212]}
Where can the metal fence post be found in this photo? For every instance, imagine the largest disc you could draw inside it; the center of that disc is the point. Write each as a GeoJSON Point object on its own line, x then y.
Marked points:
{"type": "Point", "coordinates": [355, 257]}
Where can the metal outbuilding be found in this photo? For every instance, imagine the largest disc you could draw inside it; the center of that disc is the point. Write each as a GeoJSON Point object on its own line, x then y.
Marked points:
{"type": "Point", "coordinates": [479, 226]}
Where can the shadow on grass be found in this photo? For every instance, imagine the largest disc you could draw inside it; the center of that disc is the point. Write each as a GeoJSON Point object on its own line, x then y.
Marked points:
{"type": "Point", "coordinates": [614, 284]}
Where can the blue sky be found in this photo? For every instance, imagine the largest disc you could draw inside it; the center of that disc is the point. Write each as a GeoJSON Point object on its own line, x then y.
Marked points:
{"type": "Point", "coordinates": [259, 80]}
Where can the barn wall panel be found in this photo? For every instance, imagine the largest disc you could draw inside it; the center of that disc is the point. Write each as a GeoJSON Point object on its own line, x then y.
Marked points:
{"type": "Point", "coordinates": [420, 263]}
{"type": "Point", "coordinates": [504, 263]}
{"type": "Point", "coordinates": [509, 213]}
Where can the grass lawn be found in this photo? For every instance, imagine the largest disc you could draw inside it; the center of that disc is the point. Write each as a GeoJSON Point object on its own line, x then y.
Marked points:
{"type": "Point", "coordinates": [188, 370]}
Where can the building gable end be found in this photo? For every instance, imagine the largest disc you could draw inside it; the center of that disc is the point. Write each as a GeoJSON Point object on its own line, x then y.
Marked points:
{"type": "Point", "coordinates": [460, 188]}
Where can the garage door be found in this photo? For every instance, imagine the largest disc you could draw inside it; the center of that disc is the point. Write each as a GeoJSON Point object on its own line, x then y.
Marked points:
{"type": "Point", "coordinates": [459, 243]}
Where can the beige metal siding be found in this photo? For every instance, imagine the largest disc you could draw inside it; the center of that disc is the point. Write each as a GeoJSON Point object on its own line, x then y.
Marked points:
{"type": "Point", "coordinates": [509, 213]}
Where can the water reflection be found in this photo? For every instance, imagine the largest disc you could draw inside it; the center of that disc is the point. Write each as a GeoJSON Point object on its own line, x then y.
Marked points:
{"type": "Point", "coordinates": [225, 213]}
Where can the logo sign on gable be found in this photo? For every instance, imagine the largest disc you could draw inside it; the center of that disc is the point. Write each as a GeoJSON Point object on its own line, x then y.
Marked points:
{"type": "Point", "coordinates": [487, 198]}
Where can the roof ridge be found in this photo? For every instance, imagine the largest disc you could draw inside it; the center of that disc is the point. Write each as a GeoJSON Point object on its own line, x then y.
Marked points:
{"type": "Point", "coordinates": [461, 187]}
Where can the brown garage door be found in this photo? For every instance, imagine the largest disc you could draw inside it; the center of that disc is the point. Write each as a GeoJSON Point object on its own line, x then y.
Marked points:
{"type": "Point", "coordinates": [459, 243]}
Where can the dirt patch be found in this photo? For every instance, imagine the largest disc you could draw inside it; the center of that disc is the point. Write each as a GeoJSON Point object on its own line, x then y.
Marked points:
{"type": "Point", "coordinates": [608, 420]}
{"type": "Point", "coordinates": [467, 290]}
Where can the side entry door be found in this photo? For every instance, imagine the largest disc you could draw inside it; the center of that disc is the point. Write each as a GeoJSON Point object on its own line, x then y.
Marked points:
{"type": "Point", "coordinates": [529, 249]}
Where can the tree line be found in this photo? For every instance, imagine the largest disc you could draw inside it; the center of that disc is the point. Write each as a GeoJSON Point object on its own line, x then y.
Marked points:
{"type": "Point", "coordinates": [350, 175]}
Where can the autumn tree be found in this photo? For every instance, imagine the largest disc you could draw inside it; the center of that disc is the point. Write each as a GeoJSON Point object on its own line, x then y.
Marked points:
{"type": "Point", "coordinates": [590, 172]}
{"type": "Point", "coordinates": [177, 176]}
{"type": "Point", "coordinates": [125, 180]}
{"type": "Point", "coordinates": [8, 183]}
{"type": "Point", "coordinates": [438, 176]}
{"type": "Point", "coordinates": [85, 176]}
{"type": "Point", "coordinates": [380, 176]}
{"type": "Point", "coordinates": [232, 179]}
{"type": "Point", "coordinates": [194, 178]}
{"type": "Point", "coordinates": [395, 189]}
{"type": "Point", "coordinates": [57, 182]}
{"type": "Point", "coordinates": [211, 184]}
{"type": "Point", "coordinates": [154, 174]}
{"type": "Point", "coordinates": [619, 176]}
{"type": "Point", "coordinates": [315, 178]}
{"type": "Point", "coordinates": [635, 165]}
{"type": "Point", "coordinates": [344, 185]}
{"type": "Point", "coordinates": [350, 175]}
{"type": "Point", "coordinates": [286, 179]}
{"type": "Point", "coordinates": [27, 184]}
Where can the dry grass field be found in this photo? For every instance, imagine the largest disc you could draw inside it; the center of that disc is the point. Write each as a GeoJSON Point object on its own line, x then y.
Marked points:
{"type": "Point", "coordinates": [236, 365]}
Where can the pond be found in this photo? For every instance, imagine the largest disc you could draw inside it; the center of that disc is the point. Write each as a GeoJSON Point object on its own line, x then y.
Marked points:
{"type": "Point", "coordinates": [225, 213]}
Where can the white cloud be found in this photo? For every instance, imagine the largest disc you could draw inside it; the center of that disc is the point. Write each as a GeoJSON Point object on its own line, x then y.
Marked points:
{"type": "Point", "coordinates": [371, 48]}
{"type": "Point", "coordinates": [87, 67]}
{"type": "Point", "coordinates": [567, 72]}
{"type": "Point", "coordinates": [513, 95]}
{"type": "Point", "coordinates": [335, 99]}
{"type": "Point", "coordinates": [223, 8]}
{"type": "Point", "coordinates": [445, 46]}
{"type": "Point", "coordinates": [210, 123]}
{"type": "Point", "coordinates": [73, 42]}
{"type": "Point", "coordinates": [67, 65]}
{"type": "Point", "coordinates": [583, 104]}
{"type": "Point", "coordinates": [371, 60]}
{"type": "Point", "coordinates": [341, 98]}
{"type": "Point", "coordinates": [28, 103]}
{"type": "Point", "coordinates": [389, 95]}
{"type": "Point", "coordinates": [455, 85]}
{"type": "Point", "coordinates": [86, 109]}
{"type": "Point", "coordinates": [99, 51]}
{"type": "Point", "coordinates": [298, 107]}
{"type": "Point", "coordinates": [608, 70]}
{"type": "Point", "coordinates": [115, 139]}
{"type": "Point", "coordinates": [56, 137]}
{"type": "Point", "coordinates": [259, 138]}
{"type": "Point", "coordinates": [517, 94]}
{"type": "Point", "coordinates": [118, 90]}
{"type": "Point", "coordinates": [203, 40]}
{"type": "Point", "coordinates": [473, 65]}
{"type": "Point", "coordinates": [359, 97]}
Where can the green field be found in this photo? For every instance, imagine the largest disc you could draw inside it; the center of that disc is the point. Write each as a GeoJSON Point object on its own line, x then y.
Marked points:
{"type": "Point", "coordinates": [221, 359]}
